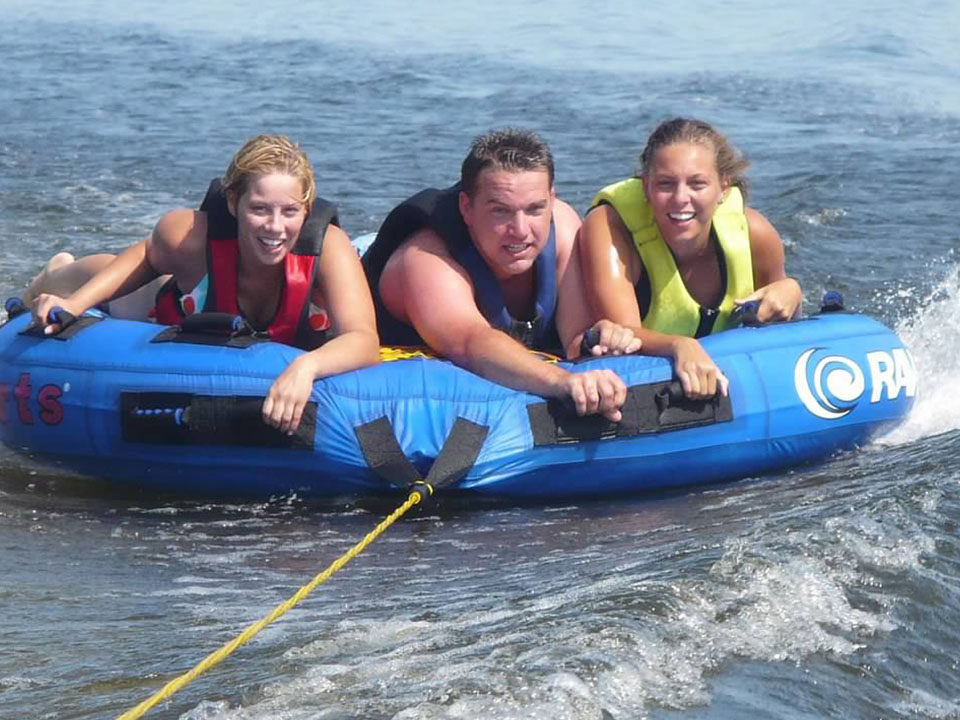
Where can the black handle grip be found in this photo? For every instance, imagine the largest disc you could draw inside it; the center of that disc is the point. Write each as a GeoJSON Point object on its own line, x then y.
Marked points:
{"type": "Point", "coordinates": [674, 392]}
{"type": "Point", "coordinates": [672, 395]}
{"type": "Point", "coordinates": [214, 323]}
{"type": "Point", "coordinates": [591, 338]}
{"type": "Point", "coordinates": [61, 317]}
{"type": "Point", "coordinates": [746, 314]}
{"type": "Point", "coordinates": [58, 316]}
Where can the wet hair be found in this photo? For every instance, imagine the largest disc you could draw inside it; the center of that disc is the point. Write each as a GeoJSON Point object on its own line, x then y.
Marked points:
{"type": "Point", "coordinates": [731, 165]}
{"type": "Point", "coordinates": [512, 149]}
{"type": "Point", "coordinates": [266, 154]}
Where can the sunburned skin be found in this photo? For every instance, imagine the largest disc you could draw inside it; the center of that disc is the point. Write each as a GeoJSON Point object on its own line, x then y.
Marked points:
{"type": "Point", "coordinates": [509, 218]}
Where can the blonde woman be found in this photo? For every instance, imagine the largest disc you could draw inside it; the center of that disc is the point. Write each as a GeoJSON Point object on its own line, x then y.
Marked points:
{"type": "Point", "coordinates": [261, 246]}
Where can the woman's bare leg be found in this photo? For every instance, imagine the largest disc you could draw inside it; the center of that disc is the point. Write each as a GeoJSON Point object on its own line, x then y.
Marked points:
{"type": "Point", "coordinates": [138, 304]}
{"type": "Point", "coordinates": [63, 275]}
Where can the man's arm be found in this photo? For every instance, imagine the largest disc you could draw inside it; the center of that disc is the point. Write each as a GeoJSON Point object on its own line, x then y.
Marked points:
{"type": "Point", "coordinates": [425, 286]}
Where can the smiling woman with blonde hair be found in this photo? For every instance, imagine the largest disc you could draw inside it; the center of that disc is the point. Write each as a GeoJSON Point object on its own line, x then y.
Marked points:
{"type": "Point", "coordinates": [262, 246]}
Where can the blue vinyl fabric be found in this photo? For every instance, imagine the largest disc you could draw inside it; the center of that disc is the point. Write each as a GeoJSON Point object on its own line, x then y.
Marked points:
{"type": "Point", "coordinates": [799, 391]}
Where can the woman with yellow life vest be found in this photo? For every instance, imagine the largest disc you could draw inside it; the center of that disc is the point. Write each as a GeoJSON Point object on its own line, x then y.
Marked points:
{"type": "Point", "coordinates": [672, 253]}
{"type": "Point", "coordinates": [262, 245]}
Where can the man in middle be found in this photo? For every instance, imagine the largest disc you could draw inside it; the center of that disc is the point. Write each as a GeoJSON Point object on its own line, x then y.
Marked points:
{"type": "Point", "coordinates": [486, 270]}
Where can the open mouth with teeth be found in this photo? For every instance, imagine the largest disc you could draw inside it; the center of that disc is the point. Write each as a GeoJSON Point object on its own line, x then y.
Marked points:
{"type": "Point", "coordinates": [270, 243]}
{"type": "Point", "coordinates": [682, 216]}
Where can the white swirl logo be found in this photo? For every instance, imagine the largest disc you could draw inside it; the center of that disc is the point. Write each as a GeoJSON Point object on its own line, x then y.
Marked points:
{"type": "Point", "coordinates": [833, 387]}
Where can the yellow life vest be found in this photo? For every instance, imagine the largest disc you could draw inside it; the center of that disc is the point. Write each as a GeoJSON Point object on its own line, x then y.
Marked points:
{"type": "Point", "coordinates": [672, 309]}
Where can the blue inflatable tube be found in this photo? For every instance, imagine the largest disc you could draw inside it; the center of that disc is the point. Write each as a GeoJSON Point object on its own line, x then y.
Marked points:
{"type": "Point", "coordinates": [183, 416]}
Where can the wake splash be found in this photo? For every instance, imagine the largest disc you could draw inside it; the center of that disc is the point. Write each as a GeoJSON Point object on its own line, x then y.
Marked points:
{"type": "Point", "coordinates": [933, 336]}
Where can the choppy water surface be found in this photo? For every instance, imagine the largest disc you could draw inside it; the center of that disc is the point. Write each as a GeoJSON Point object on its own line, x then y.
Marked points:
{"type": "Point", "coordinates": [828, 591]}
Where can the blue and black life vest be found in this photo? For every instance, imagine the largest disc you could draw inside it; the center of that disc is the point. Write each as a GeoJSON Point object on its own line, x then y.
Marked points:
{"type": "Point", "coordinates": [440, 211]}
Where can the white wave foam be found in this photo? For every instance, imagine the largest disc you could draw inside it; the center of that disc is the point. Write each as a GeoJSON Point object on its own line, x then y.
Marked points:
{"type": "Point", "coordinates": [826, 216]}
{"type": "Point", "coordinates": [924, 704]}
{"type": "Point", "coordinates": [538, 657]}
{"type": "Point", "coordinates": [18, 682]}
{"type": "Point", "coordinates": [933, 336]}
{"type": "Point", "coordinates": [362, 242]}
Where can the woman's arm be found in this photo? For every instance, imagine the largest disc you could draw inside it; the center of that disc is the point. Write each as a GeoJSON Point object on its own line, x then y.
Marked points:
{"type": "Point", "coordinates": [574, 315]}
{"type": "Point", "coordinates": [780, 296]}
{"type": "Point", "coordinates": [169, 249]}
{"type": "Point", "coordinates": [354, 344]}
{"type": "Point", "coordinates": [611, 268]}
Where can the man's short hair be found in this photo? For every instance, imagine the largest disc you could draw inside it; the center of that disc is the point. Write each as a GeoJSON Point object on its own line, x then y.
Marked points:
{"type": "Point", "coordinates": [513, 149]}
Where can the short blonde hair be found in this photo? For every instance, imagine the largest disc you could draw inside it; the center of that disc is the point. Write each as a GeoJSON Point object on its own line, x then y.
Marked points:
{"type": "Point", "coordinates": [266, 154]}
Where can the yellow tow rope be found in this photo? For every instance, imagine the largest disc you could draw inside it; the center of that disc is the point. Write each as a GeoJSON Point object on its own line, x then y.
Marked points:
{"type": "Point", "coordinates": [416, 496]}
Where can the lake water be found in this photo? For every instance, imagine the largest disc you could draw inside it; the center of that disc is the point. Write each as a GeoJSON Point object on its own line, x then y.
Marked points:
{"type": "Point", "coordinates": [826, 591]}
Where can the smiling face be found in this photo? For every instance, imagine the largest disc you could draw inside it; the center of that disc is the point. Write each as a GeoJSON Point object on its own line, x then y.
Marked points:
{"type": "Point", "coordinates": [269, 216]}
{"type": "Point", "coordinates": [509, 218]}
{"type": "Point", "coordinates": [684, 188]}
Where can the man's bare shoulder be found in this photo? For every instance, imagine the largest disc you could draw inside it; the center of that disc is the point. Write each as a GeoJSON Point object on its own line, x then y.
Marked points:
{"type": "Point", "coordinates": [426, 239]}
{"type": "Point", "coordinates": [566, 222]}
{"type": "Point", "coordinates": [420, 271]}
{"type": "Point", "coordinates": [425, 245]}
{"type": "Point", "coordinates": [564, 214]}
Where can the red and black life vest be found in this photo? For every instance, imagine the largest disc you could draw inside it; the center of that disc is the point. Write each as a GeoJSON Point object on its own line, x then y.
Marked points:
{"type": "Point", "coordinates": [291, 324]}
